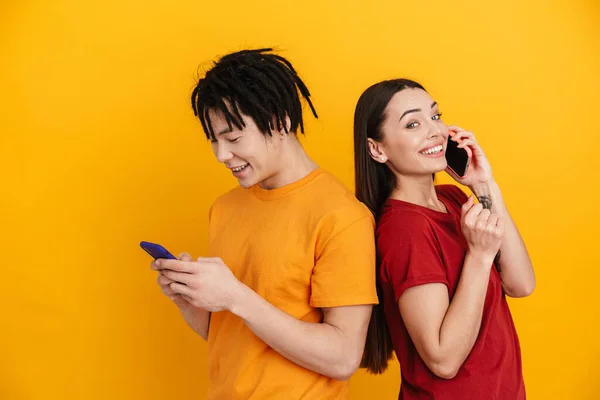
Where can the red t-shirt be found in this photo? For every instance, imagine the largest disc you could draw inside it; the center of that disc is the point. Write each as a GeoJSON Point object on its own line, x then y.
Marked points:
{"type": "Point", "coordinates": [415, 246]}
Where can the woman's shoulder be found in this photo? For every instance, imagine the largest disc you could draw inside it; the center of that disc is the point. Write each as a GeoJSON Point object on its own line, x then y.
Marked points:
{"type": "Point", "coordinates": [451, 192]}
{"type": "Point", "coordinates": [403, 222]}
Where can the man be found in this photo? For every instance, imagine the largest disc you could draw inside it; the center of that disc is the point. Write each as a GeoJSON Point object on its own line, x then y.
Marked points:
{"type": "Point", "coordinates": [286, 302]}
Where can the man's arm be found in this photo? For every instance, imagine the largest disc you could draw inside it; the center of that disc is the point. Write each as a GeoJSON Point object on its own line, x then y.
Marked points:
{"type": "Point", "coordinates": [197, 318]}
{"type": "Point", "coordinates": [332, 348]}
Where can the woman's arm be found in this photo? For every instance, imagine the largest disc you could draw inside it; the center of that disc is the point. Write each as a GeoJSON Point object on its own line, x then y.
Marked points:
{"type": "Point", "coordinates": [516, 269]}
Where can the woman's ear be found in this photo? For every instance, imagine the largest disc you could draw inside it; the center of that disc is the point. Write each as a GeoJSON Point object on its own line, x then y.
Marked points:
{"type": "Point", "coordinates": [376, 151]}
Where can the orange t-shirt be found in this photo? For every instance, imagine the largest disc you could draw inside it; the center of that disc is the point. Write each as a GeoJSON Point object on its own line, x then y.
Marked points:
{"type": "Point", "coordinates": [301, 247]}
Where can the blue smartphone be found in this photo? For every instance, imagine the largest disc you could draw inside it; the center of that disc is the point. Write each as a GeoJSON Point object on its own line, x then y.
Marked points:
{"type": "Point", "coordinates": [156, 250]}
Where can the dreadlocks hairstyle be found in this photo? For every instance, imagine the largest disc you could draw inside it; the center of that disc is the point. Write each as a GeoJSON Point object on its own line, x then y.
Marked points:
{"type": "Point", "coordinates": [256, 83]}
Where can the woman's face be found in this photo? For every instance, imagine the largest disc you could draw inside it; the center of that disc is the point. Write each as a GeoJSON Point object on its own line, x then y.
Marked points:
{"type": "Point", "coordinates": [414, 136]}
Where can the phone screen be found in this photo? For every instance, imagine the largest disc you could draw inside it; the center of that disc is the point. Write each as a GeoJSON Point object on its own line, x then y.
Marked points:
{"type": "Point", "coordinates": [458, 159]}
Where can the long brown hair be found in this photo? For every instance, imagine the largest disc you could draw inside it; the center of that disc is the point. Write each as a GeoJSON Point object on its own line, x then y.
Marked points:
{"type": "Point", "coordinates": [374, 183]}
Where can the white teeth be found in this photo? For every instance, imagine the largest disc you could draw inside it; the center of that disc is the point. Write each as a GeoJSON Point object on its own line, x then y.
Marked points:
{"type": "Point", "coordinates": [433, 150]}
{"type": "Point", "coordinates": [238, 169]}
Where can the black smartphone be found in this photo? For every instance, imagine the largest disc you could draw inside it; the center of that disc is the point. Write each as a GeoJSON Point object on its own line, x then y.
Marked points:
{"type": "Point", "coordinates": [458, 159]}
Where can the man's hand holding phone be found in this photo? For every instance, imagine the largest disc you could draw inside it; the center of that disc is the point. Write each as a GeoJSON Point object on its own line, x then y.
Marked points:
{"type": "Point", "coordinates": [165, 283]}
{"type": "Point", "coordinates": [206, 283]}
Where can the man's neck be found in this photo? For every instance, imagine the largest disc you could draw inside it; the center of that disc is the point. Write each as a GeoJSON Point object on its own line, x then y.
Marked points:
{"type": "Point", "coordinates": [296, 164]}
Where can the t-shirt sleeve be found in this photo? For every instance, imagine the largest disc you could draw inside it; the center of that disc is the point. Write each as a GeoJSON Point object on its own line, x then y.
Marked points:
{"type": "Point", "coordinates": [344, 272]}
{"type": "Point", "coordinates": [409, 252]}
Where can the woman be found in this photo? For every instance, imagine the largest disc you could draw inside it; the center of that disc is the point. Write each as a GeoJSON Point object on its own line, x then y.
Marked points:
{"type": "Point", "coordinates": [443, 307]}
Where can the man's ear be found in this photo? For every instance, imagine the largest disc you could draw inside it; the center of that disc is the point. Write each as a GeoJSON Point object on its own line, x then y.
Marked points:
{"type": "Point", "coordinates": [284, 128]}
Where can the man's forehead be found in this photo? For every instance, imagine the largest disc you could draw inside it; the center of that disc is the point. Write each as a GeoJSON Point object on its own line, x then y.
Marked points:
{"type": "Point", "coordinates": [218, 122]}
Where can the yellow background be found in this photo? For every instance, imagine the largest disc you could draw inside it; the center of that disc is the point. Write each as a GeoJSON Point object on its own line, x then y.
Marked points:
{"type": "Point", "coordinates": [99, 150]}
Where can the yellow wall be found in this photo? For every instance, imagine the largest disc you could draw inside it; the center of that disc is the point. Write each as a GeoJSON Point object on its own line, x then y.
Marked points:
{"type": "Point", "coordinates": [99, 150]}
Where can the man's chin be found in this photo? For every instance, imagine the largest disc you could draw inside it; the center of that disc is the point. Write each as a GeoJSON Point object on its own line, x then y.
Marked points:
{"type": "Point", "coordinates": [246, 183]}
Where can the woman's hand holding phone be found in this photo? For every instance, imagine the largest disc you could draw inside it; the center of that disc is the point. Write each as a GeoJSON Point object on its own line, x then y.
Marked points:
{"type": "Point", "coordinates": [480, 171]}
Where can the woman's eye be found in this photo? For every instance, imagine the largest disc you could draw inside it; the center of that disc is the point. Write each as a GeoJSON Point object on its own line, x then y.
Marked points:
{"type": "Point", "coordinates": [437, 116]}
{"type": "Point", "coordinates": [412, 125]}
{"type": "Point", "coordinates": [237, 139]}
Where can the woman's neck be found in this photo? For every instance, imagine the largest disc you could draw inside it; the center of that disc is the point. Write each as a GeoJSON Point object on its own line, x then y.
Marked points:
{"type": "Point", "coordinates": [417, 190]}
